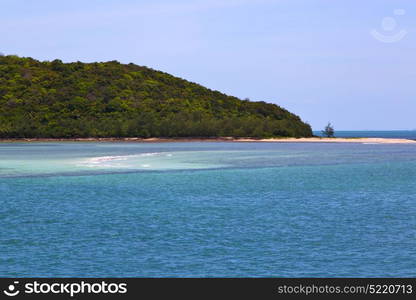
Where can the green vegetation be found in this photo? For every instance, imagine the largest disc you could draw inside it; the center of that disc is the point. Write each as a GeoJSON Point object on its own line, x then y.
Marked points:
{"type": "Point", "coordinates": [59, 100]}
{"type": "Point", "coordinates": [328, 131]}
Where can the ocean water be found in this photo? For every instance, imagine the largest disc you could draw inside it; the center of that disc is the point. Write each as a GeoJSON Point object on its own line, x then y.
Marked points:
{"type": "Point", "coordinates": [207, 209]}
{"type": "Point", "coordinates": [393, 134]}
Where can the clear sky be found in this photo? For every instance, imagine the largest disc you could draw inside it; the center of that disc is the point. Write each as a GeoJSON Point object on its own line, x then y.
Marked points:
{"type": "Point", "coordinates": [351, 62]}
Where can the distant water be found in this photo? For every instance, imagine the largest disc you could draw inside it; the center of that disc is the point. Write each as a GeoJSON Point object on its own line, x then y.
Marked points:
{"type": "Point", "coordinates": [207, 209]}
{"type": "Point", "coordinates": [394, 134]}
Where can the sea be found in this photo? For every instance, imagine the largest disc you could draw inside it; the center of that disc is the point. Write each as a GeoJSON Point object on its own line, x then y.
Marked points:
{"type": "Point", "coordinates": [207, 209]}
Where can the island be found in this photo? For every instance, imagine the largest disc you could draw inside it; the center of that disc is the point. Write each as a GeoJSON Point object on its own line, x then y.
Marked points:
{"type": "Point", "coordinates": [56, 100]}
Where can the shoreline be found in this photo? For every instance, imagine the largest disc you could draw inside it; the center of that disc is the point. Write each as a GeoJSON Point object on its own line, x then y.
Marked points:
{"type": "Point", "coordinates": [220, 139]}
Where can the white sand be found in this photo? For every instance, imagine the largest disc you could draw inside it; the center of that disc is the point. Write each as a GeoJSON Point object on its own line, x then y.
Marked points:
{"type": "Point", "coordinates": [334, 140]}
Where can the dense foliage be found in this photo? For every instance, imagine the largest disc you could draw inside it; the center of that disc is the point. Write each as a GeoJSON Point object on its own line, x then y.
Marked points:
{"type": "Point", "coordinates": [55, 99]}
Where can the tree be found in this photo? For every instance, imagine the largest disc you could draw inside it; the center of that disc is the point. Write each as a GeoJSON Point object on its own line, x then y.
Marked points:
{"type": "Point", "coordinates": [328, 131]}
{"type": "Point", "coordinates": [109, 99]}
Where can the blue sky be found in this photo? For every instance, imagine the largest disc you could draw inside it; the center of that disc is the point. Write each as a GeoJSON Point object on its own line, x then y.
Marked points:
{"type": "Point", "coordinates": [317, 58]}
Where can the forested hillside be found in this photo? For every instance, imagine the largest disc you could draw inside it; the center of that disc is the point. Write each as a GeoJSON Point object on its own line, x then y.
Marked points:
{"type": "Point", "coordinates": [64, 100]}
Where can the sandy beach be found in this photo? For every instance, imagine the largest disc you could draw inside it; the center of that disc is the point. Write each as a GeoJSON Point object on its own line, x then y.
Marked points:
{"type": "Point", "coordinates": [336, 140]}
{"type": "Point", "coordinates": [223, 139]}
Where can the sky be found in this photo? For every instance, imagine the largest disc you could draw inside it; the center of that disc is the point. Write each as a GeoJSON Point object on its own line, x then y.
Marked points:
{"type": "Point", "coordinates": [349, 62]}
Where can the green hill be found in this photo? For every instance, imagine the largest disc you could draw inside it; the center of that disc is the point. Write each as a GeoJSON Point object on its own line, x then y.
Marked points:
{"type": "Point", "coordinates": [64, 100]}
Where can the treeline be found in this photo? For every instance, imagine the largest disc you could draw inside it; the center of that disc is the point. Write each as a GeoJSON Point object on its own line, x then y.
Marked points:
{"type": "Point", "coordinates": [57, 100]}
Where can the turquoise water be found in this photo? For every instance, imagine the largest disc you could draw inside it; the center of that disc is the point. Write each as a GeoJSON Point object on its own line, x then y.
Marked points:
{"type": "Point", "coordinates": [207, 209]}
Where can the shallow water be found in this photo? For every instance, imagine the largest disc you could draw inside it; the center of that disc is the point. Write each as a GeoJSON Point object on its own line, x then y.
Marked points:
{"type": "Point", "coordinates": [207, 209]}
